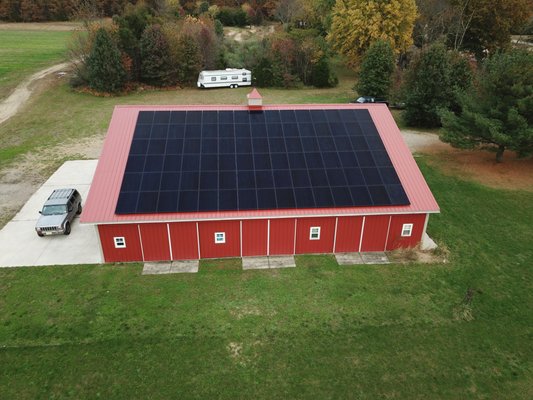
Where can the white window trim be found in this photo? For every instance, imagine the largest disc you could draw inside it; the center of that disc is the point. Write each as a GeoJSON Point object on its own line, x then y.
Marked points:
{"type": "Point", "coordinates": [220, 240]}
{"type": "Point", "coordinates": [314, 230]}
{"type": "Point", "coordinates": [407, 230]}
{"type": "Point", "coordinates": [120, 242]}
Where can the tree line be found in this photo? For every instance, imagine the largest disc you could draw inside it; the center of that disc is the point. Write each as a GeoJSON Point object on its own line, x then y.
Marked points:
{"type": "Point", "coordinates": [158, 49]}
{"type": "Point", "coordinates": [234, 12]}
{"type": "Point", "coordinates": [452, 65]}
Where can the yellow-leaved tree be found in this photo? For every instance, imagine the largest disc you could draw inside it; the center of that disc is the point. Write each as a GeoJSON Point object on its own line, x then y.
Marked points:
{"type": "Point", "coordinates": [356, 24]}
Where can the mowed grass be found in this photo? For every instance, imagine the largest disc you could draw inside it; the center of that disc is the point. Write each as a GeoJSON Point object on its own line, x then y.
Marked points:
{"type": "Point", "coordinates": [24, 52]}
{"type": "Point", "coordinates": [319, 331]}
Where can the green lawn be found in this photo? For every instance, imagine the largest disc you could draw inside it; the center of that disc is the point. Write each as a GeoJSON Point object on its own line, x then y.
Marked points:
{"type": "Point", "coordinates": [319, 331]}
{"type": "Point", "coordinates": [25, 52]}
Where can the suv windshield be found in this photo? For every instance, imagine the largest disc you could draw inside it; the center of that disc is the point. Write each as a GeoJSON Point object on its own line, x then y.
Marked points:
{"type": "Point", "coordinates": [54, 210]}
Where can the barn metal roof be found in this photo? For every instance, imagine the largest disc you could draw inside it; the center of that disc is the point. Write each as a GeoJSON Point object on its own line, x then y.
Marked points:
{"type": "Point", "coordinates": [102, 200]}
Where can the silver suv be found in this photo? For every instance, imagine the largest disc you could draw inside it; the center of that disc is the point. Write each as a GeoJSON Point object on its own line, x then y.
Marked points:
{"type": "Point", "coordinates": [58, 212]}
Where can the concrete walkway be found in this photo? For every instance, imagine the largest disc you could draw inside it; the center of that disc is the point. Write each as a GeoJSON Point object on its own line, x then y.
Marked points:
{"type": "Point", "coordinates": [174, 267]}
{"type": "Point", "coordinates": [20, 245]}
{"type": "Point", "coordinates": [268, 262]}
{"type": "Point", "coordinates": [362, 258]}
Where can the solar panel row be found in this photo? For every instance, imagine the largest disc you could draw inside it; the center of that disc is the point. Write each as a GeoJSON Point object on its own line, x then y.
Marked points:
{"type": "Point", "coordinates": [186, 161]}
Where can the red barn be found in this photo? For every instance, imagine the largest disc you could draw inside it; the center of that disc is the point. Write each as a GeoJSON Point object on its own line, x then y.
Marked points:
{"type": "Point", "coordinates": [191, 182]}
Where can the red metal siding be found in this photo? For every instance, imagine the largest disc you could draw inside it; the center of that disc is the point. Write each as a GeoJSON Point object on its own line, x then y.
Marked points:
{"type": "Point", "coordinates": [281, 236]}
{"type": "Point", "coordinates": [154, 239]}
{"type": "Point", "coordinates": [254, 237]}
{"type": "Point", "coordinates": [132, 251]}
{"type": "Point", "coordinates": [348, 234]}
{"type": "Point", "coordinates": [184, 240]}
{"type": "Point", "coordinates": [327, 230]}
{"type": "Point", "coordinates": [375, 232]}
{"type": "Point", "coordinates": [210, 249]}
{"type": "Point", "coordinates": [396, 240]}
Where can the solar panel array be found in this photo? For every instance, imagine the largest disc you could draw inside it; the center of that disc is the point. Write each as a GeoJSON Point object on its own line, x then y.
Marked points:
{"type": "Point", "coordinates": [189, 161]}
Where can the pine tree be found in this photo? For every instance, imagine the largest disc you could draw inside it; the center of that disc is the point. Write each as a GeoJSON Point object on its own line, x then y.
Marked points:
{"type": "Point", "coordinates": [375, 76]}
{"type": "Point", "coordinates": [496, 113]}
{"type": "Point", "coordinates": [105, 70]}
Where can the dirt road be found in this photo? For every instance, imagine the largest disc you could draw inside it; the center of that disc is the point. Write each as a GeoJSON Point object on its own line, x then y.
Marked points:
{"type": "Point", "coordinates": [22, 93]}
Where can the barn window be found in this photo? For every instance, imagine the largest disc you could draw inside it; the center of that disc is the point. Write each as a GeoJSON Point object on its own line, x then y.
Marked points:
{"type": "Point", "coordinates": [407, 229]}
{"type": "Point", "coordinates": [120, 242]}
{"type": "Point", "coordinates": [314, 233]}
{"type": "Point", "coordinates": [220, 237]}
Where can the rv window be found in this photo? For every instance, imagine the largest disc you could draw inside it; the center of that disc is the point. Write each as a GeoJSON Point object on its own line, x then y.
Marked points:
{"type": "Point", "coordinates": [213, 78]}
{"type": "Point", "coordinates": [234, 77]}
{"type": "Point", "coordinates": [244, 74]}
{"type": "Point", "coordinates": [223, 78]}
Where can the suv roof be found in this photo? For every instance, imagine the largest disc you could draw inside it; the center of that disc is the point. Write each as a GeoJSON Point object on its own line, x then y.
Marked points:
{"type": "Point", "coordinates": [59, 196]}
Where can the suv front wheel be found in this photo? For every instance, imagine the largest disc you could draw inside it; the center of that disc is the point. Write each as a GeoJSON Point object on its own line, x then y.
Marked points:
{"type": "Point", "coordinates": [67, 228]}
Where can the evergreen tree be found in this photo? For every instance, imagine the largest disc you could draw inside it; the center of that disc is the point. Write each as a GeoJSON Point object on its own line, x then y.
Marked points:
{"type": "Point", "coordinates": [375, 76]}
{"type": "Point", "coordinates": [156, 61]}
{"type": "Point", "coordinates": [428, 87]}
{"type": "Point", "coordinates": [321, 74]}
{"type": "Point", "coordinates": [262, 73]}
{"type": "Point", "coordinates": [105, 70]}
{"type": "Point", "coordinates": [496, 113]}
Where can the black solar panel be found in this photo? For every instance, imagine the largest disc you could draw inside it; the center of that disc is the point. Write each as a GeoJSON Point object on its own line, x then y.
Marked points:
{"type": "Point", "coordinates": [189, 161]}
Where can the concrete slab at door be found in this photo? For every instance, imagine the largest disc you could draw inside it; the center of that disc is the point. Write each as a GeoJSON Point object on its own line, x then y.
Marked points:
{"type": "Point", "coordinates": [155, 242]}
{"type": "Point", "coordinates": [210, 249]}
{"type": "Point", "coordinates": [304, 245]}
{"type": "Point", "coordinates": [375, 233]}
{"type": "Point", "coordinates": [130, 233]}
{"type": "Point", "coordinates": [282, 236]}
{"type": "Point", "coordinates": [254, 237]}
{"type": "Point", "coordinates": [348, 234]}
{"type": "Point", "coordinates": [184, 240]}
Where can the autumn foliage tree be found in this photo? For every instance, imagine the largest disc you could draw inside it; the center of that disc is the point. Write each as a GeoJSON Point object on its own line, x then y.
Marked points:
{"type": "Point", "coordinates": [156, 63]}
{"type": "Point", "coordinates": [356, 24]}
{"type": "Point", "coordinates": [492, 22]}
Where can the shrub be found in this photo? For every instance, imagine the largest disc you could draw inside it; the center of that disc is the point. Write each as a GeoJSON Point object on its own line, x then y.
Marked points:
{"type": "Point", "coordinates": [322, 76]}
{"type": "Point", "coordinates": [230, 16]}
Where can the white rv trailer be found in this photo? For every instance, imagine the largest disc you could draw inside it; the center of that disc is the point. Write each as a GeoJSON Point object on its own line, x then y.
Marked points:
{"type": "Point", "coordinates": [229, 77]}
